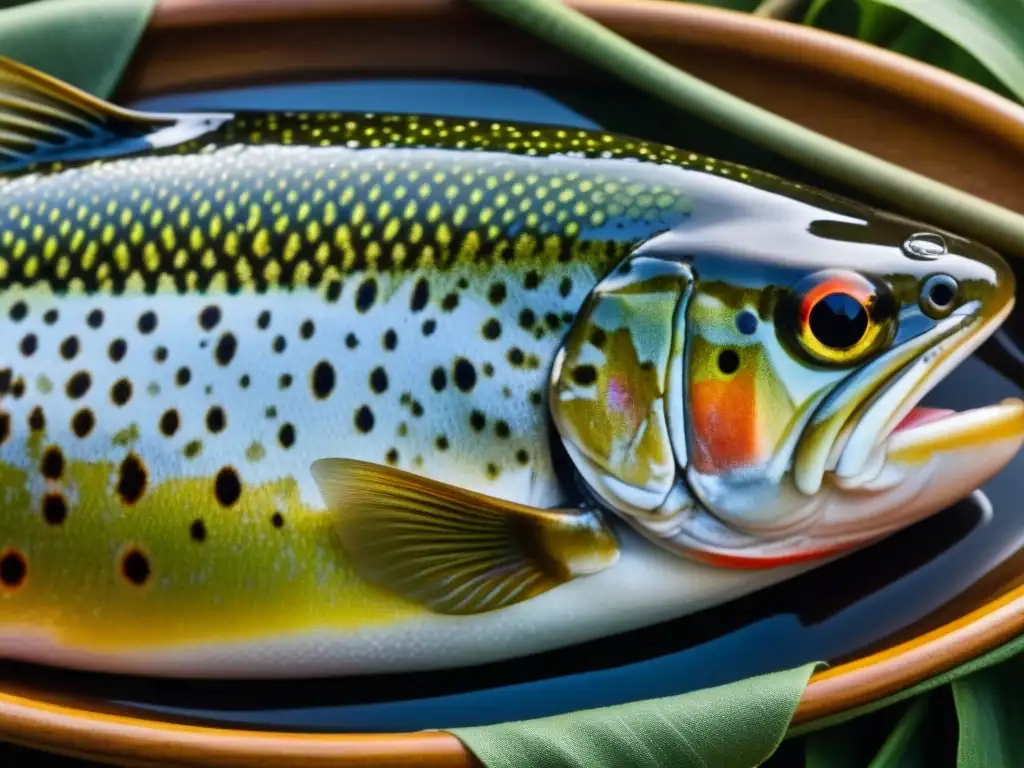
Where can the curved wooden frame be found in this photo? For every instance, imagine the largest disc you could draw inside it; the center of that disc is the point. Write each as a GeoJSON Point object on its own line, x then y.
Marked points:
{"type": "Point", "coordinates": [933, 122]}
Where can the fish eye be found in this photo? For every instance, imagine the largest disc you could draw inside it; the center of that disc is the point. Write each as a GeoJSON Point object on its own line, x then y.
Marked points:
{"type": "Point", "coordinates": [938, 296]}
{"type": "Point", "coordinates": [840, 316]}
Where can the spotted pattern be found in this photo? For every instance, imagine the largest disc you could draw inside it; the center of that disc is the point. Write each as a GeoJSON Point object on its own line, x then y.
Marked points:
{"type": "Point", "coordinates": [182, 333]}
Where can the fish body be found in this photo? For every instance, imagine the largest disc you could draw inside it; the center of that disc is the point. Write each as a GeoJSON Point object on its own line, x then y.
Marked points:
{"type": "Point", "coordinates": [193, 316]}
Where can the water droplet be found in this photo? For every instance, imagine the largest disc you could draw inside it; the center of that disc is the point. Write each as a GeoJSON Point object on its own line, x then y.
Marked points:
{"type": "Point", "coordinates": [926, 246]}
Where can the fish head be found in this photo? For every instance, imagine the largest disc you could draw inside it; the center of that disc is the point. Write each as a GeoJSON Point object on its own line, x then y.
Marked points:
{"type": "Point", "coordinates": [755, 405]}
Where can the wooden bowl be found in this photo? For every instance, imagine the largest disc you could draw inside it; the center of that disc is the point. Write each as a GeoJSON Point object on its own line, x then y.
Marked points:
{"type": "Point", "coordinates": [891, 106]}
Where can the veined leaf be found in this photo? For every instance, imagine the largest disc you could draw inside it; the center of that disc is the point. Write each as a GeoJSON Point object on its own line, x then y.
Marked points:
{"type": "Point", "coordinates": [930, 34]}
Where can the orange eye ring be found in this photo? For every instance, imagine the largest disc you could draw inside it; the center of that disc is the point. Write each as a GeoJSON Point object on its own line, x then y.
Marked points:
{"type": "Point", "coordinates": [840, 316]}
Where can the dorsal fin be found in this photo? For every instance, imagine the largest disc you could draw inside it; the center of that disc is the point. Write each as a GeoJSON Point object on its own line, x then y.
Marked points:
{"type": "Point", "coordinates": [43, 118]}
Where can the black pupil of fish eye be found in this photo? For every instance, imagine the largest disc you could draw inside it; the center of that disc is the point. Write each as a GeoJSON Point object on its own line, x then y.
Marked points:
{"type": "Point", "coordinates": [838, 321]}
{"type": "Point", "coordinates": [941, 294]}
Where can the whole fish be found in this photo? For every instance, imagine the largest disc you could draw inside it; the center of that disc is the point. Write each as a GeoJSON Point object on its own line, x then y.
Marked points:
{"type": "Point", "coordinates": [319, 393]}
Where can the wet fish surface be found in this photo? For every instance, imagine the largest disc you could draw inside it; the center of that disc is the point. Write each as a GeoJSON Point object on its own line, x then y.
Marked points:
{"type": "Point", "coordinates": [326, 393]}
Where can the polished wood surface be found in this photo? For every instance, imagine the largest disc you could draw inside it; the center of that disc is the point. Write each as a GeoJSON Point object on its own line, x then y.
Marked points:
{"type": "Point", "coordinates": [888, 105]}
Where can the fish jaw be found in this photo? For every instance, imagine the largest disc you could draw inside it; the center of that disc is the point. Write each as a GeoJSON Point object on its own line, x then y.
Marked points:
{"type": "Point", "coordinates": [934, 458]}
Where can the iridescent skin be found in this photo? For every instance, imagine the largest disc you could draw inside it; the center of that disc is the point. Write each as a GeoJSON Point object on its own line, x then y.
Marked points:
{"type": "Point", "coordinates": [184, 331]}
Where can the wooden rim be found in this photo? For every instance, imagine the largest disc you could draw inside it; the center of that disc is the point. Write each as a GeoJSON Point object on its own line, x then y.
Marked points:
{"type": "Point", "coordinates": [65, 727]}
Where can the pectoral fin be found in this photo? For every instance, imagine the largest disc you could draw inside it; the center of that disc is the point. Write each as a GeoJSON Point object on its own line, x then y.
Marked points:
{"type": "Point", "coordinates": [453, 550]}
{"type": "Point", "coordinates": [42, 118]}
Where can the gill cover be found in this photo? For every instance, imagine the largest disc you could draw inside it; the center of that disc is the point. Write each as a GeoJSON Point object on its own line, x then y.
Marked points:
{"type": "Point", "coordinates": [617, 388]}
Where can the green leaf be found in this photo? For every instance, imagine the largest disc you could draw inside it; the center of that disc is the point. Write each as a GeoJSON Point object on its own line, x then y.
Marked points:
{"type": "Point", "coordinates": [989, 705]}
{"type": "Point", "coordinates": [989, 30]}
{"type": "Point", "coordinates": [975, 39]}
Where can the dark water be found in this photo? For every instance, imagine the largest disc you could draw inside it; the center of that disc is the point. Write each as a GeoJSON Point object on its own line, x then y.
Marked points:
{"type": "Point", "coordinates": [832, 613]}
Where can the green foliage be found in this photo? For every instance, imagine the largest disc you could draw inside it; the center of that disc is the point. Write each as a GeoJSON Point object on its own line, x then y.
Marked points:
{"type": "Point", "coordinates": [980, 40]}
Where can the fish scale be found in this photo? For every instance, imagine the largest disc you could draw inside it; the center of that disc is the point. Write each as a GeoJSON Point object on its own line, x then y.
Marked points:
{"type": "Point", "coordinates": [237, 312]}
{"type": "Point", "coordinates": [280, 394]}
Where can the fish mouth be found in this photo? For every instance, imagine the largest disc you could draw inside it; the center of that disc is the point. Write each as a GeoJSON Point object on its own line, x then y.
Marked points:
{"type": "Point", "coordinates": [873, 414]}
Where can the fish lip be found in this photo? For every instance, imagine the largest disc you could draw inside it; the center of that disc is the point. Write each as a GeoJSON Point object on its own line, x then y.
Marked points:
{"type": "Point", "coordinates": [849, 457]}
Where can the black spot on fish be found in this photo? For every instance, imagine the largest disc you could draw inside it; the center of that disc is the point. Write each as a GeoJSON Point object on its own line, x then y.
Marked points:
{"type": "Point", "coordinates": [390, 340]}
{"type": "Point", "coordinates": [532, 280]}
{"type": "Point", "coordinates": [215, 419]}
{"type": "Point", "coordinates": [522, 456]}
{"type": "Point", "coordinates": [193, 448]}
{"type": "Point", "coordinates": [121, 392]}
{"type": "Point", "coordinates": [584, 374]}
{"type": "Point", "coordinates": [209, 317]}
{"type": "Point", "coordinates": [441, 443]}
{"type": "Point", "coordinates": [450, 302]}
{"type": "Point", "coordinates": [496, 293]}
{"type": "Point", "coordinates": [464, 374]}
{"type": "Point", "coordinates": [263, 321]}
{"type": "Point", "coordinates": [392, 457]}
{"type": "Point", "coordinates": [378, 380]}
{"type": "Point", "coordinates": [492, 329]}
{"type": "Point", "coordinates": [69, 348]}
{"type": "Point", "coordinates": [51, 316]}
{"type": "Point", "coordinates": [270, 412]}
{"type": "Point", "coordinates": [420, 295]}
{"type": "Point", "coordinates": [488, 369]}
{"type": "Point", "coordinates": [95, 318]}
{"type": "Point", "coordinates": [351, 341]}
{"type": "Point", "coordinates": [477, 420]}
{"type": "Point", "coordinates": [552, 320]}
{"type": "Point", "coordinates": [117, 350]}
{"type": "Point", "coordinates": [135, 567]}
{"type": "Point", "coordinates": [18, 311]}
{"type": "Point", "coordinates": [183, 376]}
{"type": "Point", "coordinates": [284, 381]}
{"type": "Point", "coordinates": [18, 388]}
{"type": "Point", "coordinates": [307, 329]}
{"type": "Point", "coordinates": [147, 322]}
{"type": "Point", "coordinates": [55, 509]}
{"type": "Point", "coordinates": [13, 569]}
{"type": "Point", "coordinates": [277, 520]}
{"type": "Point", "coordinates": [322, 380]}
{"type": "Point", "coordinates": [527, 318]}
{"type": "Point", "coordinates": [333, 292]}
{"type": "Point", "coordinates": [598, 337]}
{"type": "Point", "coordinates": [226, 347]}
{"type": "Point", "coordinates": [197, 531]}
{"type": "Point", "coordinates": [78, 384]}
{"type": "Point", "coordinates": [29, 344]}
{"type": "Point", "coordinates": [366, 294]}
{"type": "Point", "coordinates": [131, 481]}
{"type": "Point", "coordinates": [516, 357]}
{"type": "Point", "coordinates": [244, 381]}
{"type": "Point", "coordinates": [286, 435]}
{"type": "Point", "coordinates": [227, 487]}
{"type": "Point", "coordinates": [279, 344]}
{"type": "Point", "coordinates": [36, 421]}
{"type": "Point", "coordinates": [170, 422]}
{"type": "Point", "coordinates": [417, 408]}
{"type": "Point", "coordinates": [5, 426]}
{"type": "Point", "coordinates": [429, 326]}
{"type": "Point", "coordinates": [565, 287]}
{"type": "Point", "coordinates": [501, 429]}
{"type": "Point", "coordinates": [438, 379]}
{"type": "Point", "coordinates": [492, 471]}
{"type": "Point", "coordinates": [364, 419]}
{"type": "Point", "coordinates": [5, 380]}
{"type": "Point", "coordinates": [82, 423]}
{"type": "Point", "coordinates": [160, 354]}
{"type": "Point", "coordinates": [52, 463]}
